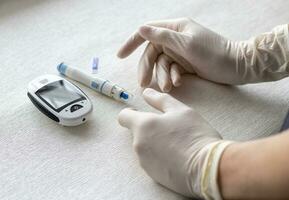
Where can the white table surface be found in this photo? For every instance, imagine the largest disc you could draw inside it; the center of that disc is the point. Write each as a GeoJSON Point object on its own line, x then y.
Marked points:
{"type": "Point", "coordinates": [42, 160]}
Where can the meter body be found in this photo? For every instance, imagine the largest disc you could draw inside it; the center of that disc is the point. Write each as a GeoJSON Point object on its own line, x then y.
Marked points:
{"type": "Point", "coordinates": [60, 100]}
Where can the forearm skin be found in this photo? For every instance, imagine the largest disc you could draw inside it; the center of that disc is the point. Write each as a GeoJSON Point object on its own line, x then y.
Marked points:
{"type": "Point", "coordinates": [256, 170]}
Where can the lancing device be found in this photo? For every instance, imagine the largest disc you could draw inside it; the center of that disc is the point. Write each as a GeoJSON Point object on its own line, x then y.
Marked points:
{"type": "Point", "coordinates": [97, 84]}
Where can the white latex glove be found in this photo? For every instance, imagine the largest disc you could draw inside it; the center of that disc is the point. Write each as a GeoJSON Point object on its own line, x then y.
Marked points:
{"type": "Point", "coordinates": [183, 46]}
{"type": "Point", "coordinates": [177, 148]}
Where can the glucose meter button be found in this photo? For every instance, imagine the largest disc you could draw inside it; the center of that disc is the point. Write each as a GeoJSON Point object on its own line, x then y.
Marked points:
{"type": "Point", "coordinates": [75, 107]}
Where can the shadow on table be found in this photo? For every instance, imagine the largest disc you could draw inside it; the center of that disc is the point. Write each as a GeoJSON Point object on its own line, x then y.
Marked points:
{"type": "Point", "coordinates": [194, 89]}
{"type": "Point", "coordinates": [234, 108]}
{"type": "Point", "coordinates": [84, 131]}
{"type": "Point", "coordinates": [197, 91]}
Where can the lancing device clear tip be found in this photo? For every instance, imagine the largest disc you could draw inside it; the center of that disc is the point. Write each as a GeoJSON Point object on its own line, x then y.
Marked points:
{"type": "Point", "coordinates": [94, 65]}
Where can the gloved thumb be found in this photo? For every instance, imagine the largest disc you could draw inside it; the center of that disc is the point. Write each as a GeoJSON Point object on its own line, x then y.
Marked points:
{"type": "Point", "coordinates": [162, 101]}
{"type": "Point", "coordinates": [162, 36]}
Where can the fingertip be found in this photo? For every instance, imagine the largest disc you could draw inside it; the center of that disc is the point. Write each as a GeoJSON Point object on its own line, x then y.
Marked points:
{"type": "Point", "coordinates": [166, 87]}
{"type": "Point", "coordinates": [132, 43]}
{"type": "Point", "coordinates": [177, 83]}
{"type": "Point", "coordinates": [175, 74]}
{"type": "Point", "coordinates": [162, 101]}
{"type": "Point", "coordinates": [148, 33]}
{"type": "Point", "coordinates": [144, 83]}
{"type": "Point", "coordinates": [120, 55]}
{"type": "Point", "coordinates": [123, 117]}
{"type": "Point", "coordinates": [120, 117]}
{"type": "Point", "coordinates": [124, 50]}
{"type": "Point", "coordinates": [149, 92]}
{"type": "Point", "coordinates": [156, 99]}
{"type": "Point", "coordinates": [144, 30]}
{"type": "Point", "coordinates": [176, 80]}
{"type": "Point", "coordinates": [164, 82]}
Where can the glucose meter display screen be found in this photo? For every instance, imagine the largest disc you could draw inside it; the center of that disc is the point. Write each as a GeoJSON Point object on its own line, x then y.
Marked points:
{"type": "Point", "coordinates": [59, 94]}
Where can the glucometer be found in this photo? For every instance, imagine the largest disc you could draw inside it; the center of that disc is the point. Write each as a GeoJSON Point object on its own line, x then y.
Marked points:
{"type": "Point", "coordinates": [60, 100]}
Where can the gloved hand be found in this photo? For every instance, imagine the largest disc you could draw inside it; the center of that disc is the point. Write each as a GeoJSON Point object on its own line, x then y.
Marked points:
{"type": "Point", "coordinates": [182, 46]}
{"type": "Point", "coordinates": [177, 148]}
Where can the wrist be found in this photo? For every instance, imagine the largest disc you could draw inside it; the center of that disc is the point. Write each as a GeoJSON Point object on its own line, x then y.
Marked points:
{"type": "Point", "coordinates": [229, 167]}
{"type": "Point", "coordinates": [233, 61]}
{"type": "Point", "coordinates": [209, 180]}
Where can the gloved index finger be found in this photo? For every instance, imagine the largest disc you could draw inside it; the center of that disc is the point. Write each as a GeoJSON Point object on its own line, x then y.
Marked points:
{"type": "Point", "coordinates": [127, 117]}
{"type": "Point", "coordinates": [173, 24]}
{"type": "Point", "coordinates": [133, 42]}
{"type": "Point", "coordinates": [162, 101]}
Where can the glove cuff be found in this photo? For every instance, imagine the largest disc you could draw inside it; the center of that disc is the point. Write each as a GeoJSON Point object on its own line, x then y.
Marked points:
{"type": "Point", "coordinates": [209, 179]}
{"type": "Point", "coordinates": [264, 57]}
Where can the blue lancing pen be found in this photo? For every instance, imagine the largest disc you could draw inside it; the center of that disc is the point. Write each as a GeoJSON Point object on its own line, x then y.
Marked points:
{"type": "Point", "coordinates": [97, 84]}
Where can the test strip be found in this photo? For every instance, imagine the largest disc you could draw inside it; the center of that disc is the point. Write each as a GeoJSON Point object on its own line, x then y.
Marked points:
{"type": "Point", "coordinates": [94, 65]}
